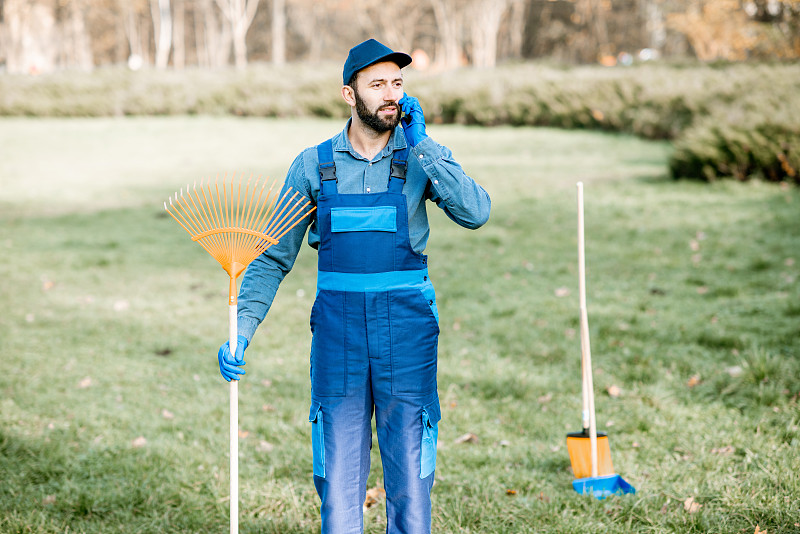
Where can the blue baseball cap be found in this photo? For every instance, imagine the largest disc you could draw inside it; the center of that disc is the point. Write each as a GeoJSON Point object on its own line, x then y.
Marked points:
{"type": "Point", "coordinates": [368, 53]}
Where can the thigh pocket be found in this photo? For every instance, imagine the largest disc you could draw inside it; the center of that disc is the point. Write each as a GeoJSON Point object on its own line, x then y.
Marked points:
{"type": "Point", "coordinates": [414, 342]}
{"type": "Point", "coordinates": [328, 359]}
{"type": "Point", "coordinates": [431, 415]}
{"type": "Point", "coordinates": [317, 439]}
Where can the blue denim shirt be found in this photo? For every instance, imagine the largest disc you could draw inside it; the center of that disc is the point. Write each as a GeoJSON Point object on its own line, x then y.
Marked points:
{"type": "Point", "coordinates": [432, 174]}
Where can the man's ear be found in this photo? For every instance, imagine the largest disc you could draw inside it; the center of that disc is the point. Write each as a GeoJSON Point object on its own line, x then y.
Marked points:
{"type": "Point", "coordinates": [348, 93]}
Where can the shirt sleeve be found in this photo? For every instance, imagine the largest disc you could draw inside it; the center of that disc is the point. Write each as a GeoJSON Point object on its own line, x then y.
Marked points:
{"type": "Point", "coordinates": [266, 272]}
{"type": "Point", "coordinates": [461, 198]}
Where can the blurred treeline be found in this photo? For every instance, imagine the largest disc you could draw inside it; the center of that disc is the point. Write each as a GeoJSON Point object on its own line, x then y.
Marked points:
{"type": "Point", "coordinates": [727, 120]}
{"type": "Point", "coordinates": [46, 35]}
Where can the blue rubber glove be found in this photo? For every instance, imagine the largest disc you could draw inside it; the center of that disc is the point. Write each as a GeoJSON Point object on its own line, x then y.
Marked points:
{"type": "Point", "coordinates": [413, 121]}
{"type": "Point", "coordinates": [228, 366]}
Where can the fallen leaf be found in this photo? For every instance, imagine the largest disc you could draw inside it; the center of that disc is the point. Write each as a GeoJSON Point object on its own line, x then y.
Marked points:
{"type": "Point", "coordinates": [85, 382]}
{"type": "Point", "coordinates": [693, 381]}
{"type": "Point", "coordinates": [759, 531]}
{"type": "Point", "coordinates": [691, 506]}
{"type": "Point", "coordinates": [635, 445]}
{"type": "Point", "coordinates": [49, 499]}
{"type": "Point", "coordinates": [139, 442]}
{"type": "Point", "coordinates": [243, 434]}
{"type": "Point", "coordinates": [166, 414]}
{"type": "Point", "coordinates": [542, 497]}
{"type": "Point", "coordinates": [374, 497]}
{"type": "Point", "coordinates": [725, 451]}
{"type": "Point", "coordinates": [511, 492]}
{"type": "Point", "coordinates": [469, 437]}
{"type": "Point", "coordinates": [547, 397]}
{"type": "Point", "coordinates": [694, 245]}
{"type": "Point", "coordinates": [665, 507]}
{"type": "Point", "coordinates": [47, 285]}
{"type": "Point", "coordinates": [268, 407]}
{"type": "Point", "coordinates": [562, 292]}
{"type": "Point", "coordinates": [265, 446]}
{"type": "Point", "coordinates": [613, 391]}
{"type": "Point", "coordinates": [735, 371]}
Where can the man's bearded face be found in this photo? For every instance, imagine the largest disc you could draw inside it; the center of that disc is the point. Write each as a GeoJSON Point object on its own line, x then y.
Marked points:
{"type": "Point", "coordinates": [380, 122]}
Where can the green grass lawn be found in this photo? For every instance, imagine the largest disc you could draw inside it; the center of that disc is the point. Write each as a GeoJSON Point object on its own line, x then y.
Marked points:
{"type": "Point", "coordinates": [113, 415]}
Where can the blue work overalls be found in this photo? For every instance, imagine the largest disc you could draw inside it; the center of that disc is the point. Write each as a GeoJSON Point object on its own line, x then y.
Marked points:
{"type": "Point", "coordinates": [374, 346]}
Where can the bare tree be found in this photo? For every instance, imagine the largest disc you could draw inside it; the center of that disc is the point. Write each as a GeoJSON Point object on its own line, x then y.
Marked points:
{"type": "Point", "coordinates": [30, 34]}
{"type": "Point", "coordinates": [75, 48]}
{"type": "Point", "coordinates": [179, 34]}
{"type": "Point", "coordinates": [162, 26]}
{"type": "Point", "coordinates": [137, 30]}
{"type": "Point", "coordinates": [278, 32]}
{"type": "Point", "coordinates": [449, 50]}
{"type": "Point", "coordinates": [591, 41]}
{"type": "Point", "coordinates": [212, 36]}
{"type": "Point", "coordinates": [485, 18]}
{"type": "Point", "coordinates": [515, 29]}
{"type": "Point", "coordinates": [393, 22]}
{"type": "Point", "coordinates": [239, 14]}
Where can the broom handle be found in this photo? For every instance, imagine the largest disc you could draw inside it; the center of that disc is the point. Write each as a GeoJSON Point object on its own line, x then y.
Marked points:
{"type": "Point", "coordinates": [586, 351]}
{"type": "Point", "coordinates": [234, 423]}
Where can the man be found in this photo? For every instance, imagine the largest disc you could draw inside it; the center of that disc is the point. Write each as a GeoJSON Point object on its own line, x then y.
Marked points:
{"type": "Point", "coordinates": [374, 321]}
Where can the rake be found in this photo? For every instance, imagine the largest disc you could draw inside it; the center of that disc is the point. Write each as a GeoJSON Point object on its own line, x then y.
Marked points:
{"type": "Point", "coordinates": [236, 221]}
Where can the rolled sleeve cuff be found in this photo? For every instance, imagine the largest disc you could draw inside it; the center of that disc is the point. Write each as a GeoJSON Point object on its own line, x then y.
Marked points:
{"type": "Point", "coordinates": [247, 327]}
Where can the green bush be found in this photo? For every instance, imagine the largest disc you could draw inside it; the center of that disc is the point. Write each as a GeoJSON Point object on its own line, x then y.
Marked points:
{"type": "Point", "coordinates": [728, 121]}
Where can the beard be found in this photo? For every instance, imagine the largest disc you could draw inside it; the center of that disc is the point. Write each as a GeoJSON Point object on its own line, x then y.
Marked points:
{"type": "Point", "coordinates": [372, 119]}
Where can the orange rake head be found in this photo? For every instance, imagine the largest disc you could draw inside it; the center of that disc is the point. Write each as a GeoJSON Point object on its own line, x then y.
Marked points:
{"type": "Point", "coordinates": [235, 220]}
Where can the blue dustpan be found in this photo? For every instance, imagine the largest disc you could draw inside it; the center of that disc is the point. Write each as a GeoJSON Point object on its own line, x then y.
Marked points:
{"type": "Point", "coordinates": [603, 486]}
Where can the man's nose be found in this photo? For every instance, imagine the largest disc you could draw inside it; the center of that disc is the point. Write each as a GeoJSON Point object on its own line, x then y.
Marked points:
{"type": "Point", "coordinates": [392, 94]}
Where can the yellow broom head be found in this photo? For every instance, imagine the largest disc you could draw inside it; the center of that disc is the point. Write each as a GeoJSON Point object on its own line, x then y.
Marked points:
{"type": "Point", "coordinates": [580, 454]}
{"type": "Point", "coordinates": [236, 220]}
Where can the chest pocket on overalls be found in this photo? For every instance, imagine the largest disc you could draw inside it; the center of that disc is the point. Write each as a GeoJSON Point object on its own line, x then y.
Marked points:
{"type": "Point", "coordinates": [364, 238]}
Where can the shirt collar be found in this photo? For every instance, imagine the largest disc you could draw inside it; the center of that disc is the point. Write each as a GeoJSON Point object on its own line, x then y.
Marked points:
{"type": "Point", "coordinates": [397, 141]}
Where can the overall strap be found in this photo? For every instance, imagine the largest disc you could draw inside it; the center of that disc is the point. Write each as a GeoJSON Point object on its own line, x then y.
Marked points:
{"type": "Point", "coordinates": [327, 168]}
{"type": "Point", "coordinates": [397, 178]}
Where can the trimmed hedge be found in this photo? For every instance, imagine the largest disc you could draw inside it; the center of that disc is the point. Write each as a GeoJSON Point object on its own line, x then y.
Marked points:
{"type": "Point", "coordinates": [727, 121]}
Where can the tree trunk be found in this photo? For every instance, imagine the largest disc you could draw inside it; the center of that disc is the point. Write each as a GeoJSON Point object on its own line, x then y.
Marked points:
{"type": "Point", "coordinates": [31, 37]}
{"type": "Point", "coordinates": [448, 54]}
{"type": "Point", "coordinates": [216, 37]}
{"type": "Point", "coordinates": [240, 15]}
{"type": "Point", "coordinates": [486, 18]}
{"type": "Point", "coordinates": [76, 48]}
{"type": "Point", "coordinates": [179, 35]}
{"type": "Point", "coordinates": [162, 27]}
{"type": "Point", "coordinates": [278, 32]}
{"type": "Point", "coordinates": [516, 28]}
